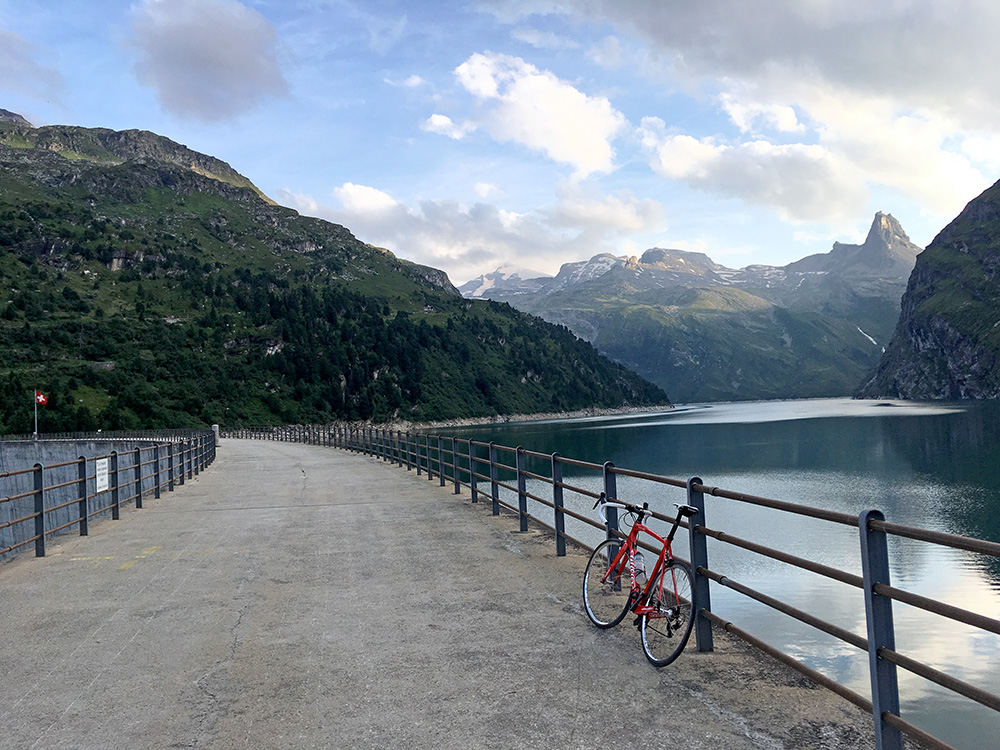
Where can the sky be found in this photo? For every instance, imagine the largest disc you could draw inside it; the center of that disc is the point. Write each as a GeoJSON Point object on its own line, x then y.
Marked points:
{"type": "Point", "coordinates": [471, 136]}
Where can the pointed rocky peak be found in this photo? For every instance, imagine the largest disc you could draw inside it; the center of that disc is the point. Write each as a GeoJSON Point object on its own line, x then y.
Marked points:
{"type": "Point", "coordinates": [886, 252]}
{"type": "Point", "coordinates": [886, 239]}
{"type": "Point", "coordinates": [14, 119]}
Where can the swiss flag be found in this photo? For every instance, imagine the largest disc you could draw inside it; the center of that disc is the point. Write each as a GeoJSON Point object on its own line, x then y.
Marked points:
{"type": "Point", "coordinates": [40, 398]}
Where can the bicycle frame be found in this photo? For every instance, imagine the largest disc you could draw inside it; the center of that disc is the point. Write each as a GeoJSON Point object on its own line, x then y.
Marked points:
{"type": "Point", "coordinates": [663, 608]}
{"type": "Point", "coordinates": [628, 548]}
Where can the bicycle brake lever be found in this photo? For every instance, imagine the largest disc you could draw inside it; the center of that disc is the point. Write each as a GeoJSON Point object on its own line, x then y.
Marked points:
{"type": "Point", "coordinates": [600, 499]}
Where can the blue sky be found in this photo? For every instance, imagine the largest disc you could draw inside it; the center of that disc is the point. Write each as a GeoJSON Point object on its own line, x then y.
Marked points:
{"type": "Point", "coordinates": [499, 133]}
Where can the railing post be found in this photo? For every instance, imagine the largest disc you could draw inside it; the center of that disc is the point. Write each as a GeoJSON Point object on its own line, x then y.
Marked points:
{"type": "Point", "coordinates": [39, 511]}
{"type": "Point", "coordinates": [181, 462]}
{"type": "Point", "coordinates": [473, 479]}
{"type": "Point", "coordinates": [611, 493]}
{"type": "Point", "coordinates": [138, 477]}
{"type": "Point", "coordinates": [430, 466]}
{"type": "Point", "coordinates": [454, 458]}
{"type": "Point", "coordinates": [878, 613]}
{"type": "Point", "coordinates": [522, 489]}
{"type": "Point", "coordinates": [115, 496]}
{"type": "Point", "coordinates": [156, 471]}
{"type": "Point", "coordinates": [81, 475]}
{"type": "Point", "coordinates": [557, 503]}
{"type": "Point", "coordinates": [416, 452]}
{"type": "Point", "coordinates": [494, 479]}
{"type": "Point", "coordinates": [699, 559]}
{"type": "Point", "coordinates": [170, 467]}
{"type": "Point", "coordinates": [441, 475]}
{"type": "Point", "coordinates": [190, 455]}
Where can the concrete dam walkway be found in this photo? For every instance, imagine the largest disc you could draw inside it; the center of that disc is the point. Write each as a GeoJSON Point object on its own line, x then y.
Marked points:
{"type": "Point", "coordinates": [296, 596]}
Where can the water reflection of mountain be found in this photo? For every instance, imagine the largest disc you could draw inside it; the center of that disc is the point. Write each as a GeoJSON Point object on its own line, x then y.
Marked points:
{"type": "Point", "coordinates": [962, 451]}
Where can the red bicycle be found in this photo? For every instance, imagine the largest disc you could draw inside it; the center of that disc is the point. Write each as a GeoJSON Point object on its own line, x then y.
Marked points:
{"type": "Point", "coordinates": [615, 582]}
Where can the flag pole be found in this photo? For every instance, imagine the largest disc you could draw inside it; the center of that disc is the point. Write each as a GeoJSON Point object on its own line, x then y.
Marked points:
{"type": "Point", "coordinates": [35, 399]}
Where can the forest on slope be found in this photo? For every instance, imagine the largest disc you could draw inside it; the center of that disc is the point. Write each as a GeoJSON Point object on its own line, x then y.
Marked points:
{"type": "Point", "coordinates": [145, 287]}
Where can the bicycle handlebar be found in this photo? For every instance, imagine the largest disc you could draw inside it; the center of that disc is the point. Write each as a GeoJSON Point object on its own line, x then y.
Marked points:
{"type": "Point", "coordinates": [602, 503]}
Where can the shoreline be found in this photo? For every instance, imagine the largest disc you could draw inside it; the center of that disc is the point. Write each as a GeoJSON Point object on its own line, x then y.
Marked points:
{"type": "Point", "coordinates": [516, 418]}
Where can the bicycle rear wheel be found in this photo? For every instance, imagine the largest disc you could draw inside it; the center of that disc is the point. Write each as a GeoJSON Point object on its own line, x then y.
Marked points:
{"type": "Point", "coordinates": [665, 632]}
{"type": "Point", "coordinates": [606, 593]}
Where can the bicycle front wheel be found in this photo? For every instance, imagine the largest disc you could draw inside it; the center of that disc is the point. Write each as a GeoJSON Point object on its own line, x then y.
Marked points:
{"type": "Point", "coordinates": [606, 593]}
{"type": "Point", "coordinates": [665, 631]}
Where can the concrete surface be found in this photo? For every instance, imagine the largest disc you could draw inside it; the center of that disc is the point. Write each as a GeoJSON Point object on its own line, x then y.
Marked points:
{"type": "Point", "coordinates": [303, 597]}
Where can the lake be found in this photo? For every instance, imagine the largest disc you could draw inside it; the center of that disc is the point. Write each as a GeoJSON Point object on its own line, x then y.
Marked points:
{"type": "Point", "coordinates": [933, 465]}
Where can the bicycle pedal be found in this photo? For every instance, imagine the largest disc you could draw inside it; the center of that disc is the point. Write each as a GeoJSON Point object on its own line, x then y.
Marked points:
{"type": "Point", "coordinates": [637, 620]}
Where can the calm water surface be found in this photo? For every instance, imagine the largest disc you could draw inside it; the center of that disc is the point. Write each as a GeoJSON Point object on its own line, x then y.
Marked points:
{"type": "Point", "coordinates": [931, 465]}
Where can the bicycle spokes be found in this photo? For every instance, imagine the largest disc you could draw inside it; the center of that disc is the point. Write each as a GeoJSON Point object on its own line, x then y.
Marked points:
{"type": "Point", "coordinates": [666, 623]}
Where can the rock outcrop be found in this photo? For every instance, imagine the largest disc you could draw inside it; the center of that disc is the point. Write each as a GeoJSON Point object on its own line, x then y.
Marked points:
{"type": "Point", "coordinates": [946, 345]}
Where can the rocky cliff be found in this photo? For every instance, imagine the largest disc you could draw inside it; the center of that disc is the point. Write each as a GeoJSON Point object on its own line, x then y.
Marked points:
{"type": "Point", "coordinates": [107, 146]}
{"type": "Point", "coordinates": [947, 342]}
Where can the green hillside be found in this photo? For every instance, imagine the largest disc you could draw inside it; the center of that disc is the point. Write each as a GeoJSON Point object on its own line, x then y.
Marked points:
{"type": "Point", "coordinates": [144, 287]}
{"type": "Point", "coordinates": [722, 343]}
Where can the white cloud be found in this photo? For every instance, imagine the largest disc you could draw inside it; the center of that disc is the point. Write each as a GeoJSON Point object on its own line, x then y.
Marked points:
{"type": "Point", "coordinates": [543, 39]}
{"type": "Point", "coordinates": [485, 189]}
{"type": "Point", "coordinates": [538, 110]}
{"type": "Point", "coordinates": [413, 82]}
{"type": "Point", "coordinates": [801, 182]}
{"type": "Point", "coordinates": [206, 59]}
{"type": "Point", "coordinates": [467, 240]}
{"type": "Point", "coordinates": [924, 54]}
{"type": "Point", "coordinates": [607, 54]}
{"type": "Point", "coordinates": [362, 199]}
{"type": "Point", "coordinates": [983, 149]}
{"type": "Point", "coordinates": [21, 73]}
{"type": "Point", "coordinates": [745, 113]}
{"type": "Point", "coordinates": [443, 125]}
{"type": "Point", "coordinates": [621, 213]}
{"type": "Point", "coordinates": [900, 95]}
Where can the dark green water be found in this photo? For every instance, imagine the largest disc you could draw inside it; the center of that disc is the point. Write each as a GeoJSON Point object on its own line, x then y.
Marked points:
{"type": "Point", "coordinates": [935, 466]}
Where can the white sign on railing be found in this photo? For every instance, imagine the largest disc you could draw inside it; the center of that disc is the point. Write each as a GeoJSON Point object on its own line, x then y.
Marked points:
{"type": "Point", "coordinates": [102, 475]}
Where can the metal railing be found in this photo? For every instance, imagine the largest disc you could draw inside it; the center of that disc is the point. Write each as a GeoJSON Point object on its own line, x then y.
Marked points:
{"type": "Point", "coordinates": [45, 500]}
{"type": "Point", "coordinates": [501, 474]}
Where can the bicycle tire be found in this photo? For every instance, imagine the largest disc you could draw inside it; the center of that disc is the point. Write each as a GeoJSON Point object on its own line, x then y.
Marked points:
{"type": "Point", "coordinates": [665, 633]}
{"type": "Point", "coordinates": [606, 601]}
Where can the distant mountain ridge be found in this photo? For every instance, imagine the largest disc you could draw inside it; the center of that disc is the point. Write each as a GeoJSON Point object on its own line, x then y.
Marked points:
{"type": "Point", "coordinates": [706, 332]}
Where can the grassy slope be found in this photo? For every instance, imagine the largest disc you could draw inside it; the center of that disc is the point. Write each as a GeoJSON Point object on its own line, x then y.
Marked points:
{"type": "Point", "coordinates": [140, 294]}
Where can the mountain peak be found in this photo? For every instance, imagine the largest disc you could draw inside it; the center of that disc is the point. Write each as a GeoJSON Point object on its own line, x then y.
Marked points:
{"type": "Point", "coordinates": [887, 229]}
{"type": "Point", "coordinates": [684, 260]}
{"type": "Point", "coordinates": [13, 117]}
{"type": "Point", "coordinates": [106, 146]}
{"type": "Point", "coordinates": [886, 251]}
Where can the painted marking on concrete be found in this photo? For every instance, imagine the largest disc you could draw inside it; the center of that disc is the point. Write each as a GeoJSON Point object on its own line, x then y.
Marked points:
{"type": "Point", "coordinates": [143, 555]}
{"type": "Point", "coordinates": [92, 560]}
